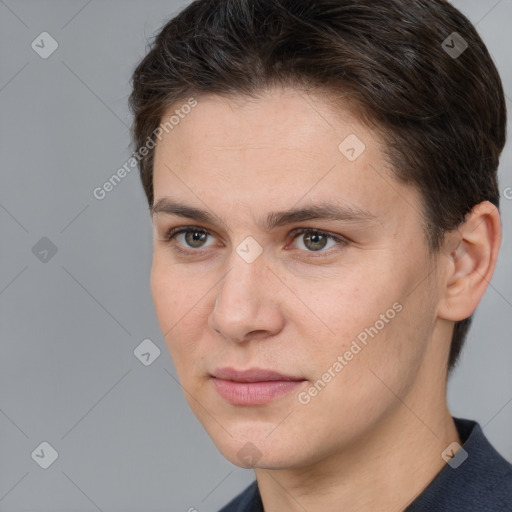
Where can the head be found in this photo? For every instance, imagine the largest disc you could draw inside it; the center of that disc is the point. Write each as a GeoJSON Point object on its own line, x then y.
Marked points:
{"type": "Point", "coordinates": [244, 109]}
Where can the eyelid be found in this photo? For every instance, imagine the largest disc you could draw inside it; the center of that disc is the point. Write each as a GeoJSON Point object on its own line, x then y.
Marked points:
{"type": "Point", "coordinates": [171, 234]}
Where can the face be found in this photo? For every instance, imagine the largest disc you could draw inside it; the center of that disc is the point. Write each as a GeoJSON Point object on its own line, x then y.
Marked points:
{"type": "Point", "coordinates": [290, 276]}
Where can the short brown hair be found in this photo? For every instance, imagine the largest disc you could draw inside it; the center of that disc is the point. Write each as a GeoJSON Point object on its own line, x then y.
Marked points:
{"type": "Point", "coordinates": [442, 115]}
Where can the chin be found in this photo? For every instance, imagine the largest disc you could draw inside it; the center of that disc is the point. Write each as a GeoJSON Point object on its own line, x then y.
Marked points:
{"type": "Point", "coordinates": [250, 456]}
{"type": "Point", "coordinates": [251, 446]}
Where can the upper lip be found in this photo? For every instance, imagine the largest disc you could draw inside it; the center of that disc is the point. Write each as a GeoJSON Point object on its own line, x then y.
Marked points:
{"type": "Point", "coordinates": [251, 375]}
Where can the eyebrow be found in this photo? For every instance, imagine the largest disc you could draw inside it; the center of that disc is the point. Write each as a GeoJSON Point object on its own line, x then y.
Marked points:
{"type": "Point", "coordinates": [323, 211]}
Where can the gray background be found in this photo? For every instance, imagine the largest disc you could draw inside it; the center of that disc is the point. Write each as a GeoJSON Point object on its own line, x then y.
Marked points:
{"type": "Point", "coordinates": [125, 438]}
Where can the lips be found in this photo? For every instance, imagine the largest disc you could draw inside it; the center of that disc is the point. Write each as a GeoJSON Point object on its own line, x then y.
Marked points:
{"type": "Point", "coordinates": [252, 375]}
{"type": "Point", "coordinates": [254, 386]}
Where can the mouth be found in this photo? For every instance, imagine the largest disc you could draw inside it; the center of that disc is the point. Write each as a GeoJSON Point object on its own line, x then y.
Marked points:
{"type": "Point", "coordinates": [254, 386]}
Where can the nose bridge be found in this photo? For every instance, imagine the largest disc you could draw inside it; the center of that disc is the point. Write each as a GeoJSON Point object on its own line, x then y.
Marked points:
{"type": "Point", "coordinates": [243, 297]}
{"type": "Point", "coordinates": [239, 288]}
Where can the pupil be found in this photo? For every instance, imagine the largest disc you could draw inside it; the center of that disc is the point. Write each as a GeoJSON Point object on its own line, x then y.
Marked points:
{"type": "Point", "coordinates": [194, 237]}
{"type": "Point", "coordinates": [315, 239]}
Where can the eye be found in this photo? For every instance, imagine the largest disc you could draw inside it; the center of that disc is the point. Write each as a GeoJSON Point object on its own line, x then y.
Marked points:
{"type": "Point", "coordinates": [188, 237]}
{"type": "Point", "coordinates": [314, 240]}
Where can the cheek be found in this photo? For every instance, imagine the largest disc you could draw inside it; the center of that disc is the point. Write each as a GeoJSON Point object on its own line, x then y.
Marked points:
{"type": "Point", "coordinates": [165, 298]}
{"type": "Point", "coordinates": [366, 315]}
{"type": "Point", "coordinates": [345, 302]}
{"type": "Point", "coordinates": [177, 303]}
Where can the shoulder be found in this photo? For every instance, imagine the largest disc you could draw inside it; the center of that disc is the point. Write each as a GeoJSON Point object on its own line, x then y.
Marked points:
{"type": "Point", "coordinates": [480, 478]}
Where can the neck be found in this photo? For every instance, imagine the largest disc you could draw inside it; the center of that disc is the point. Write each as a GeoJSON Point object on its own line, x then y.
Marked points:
{"type": "Point", "coordinates": [385, 470]}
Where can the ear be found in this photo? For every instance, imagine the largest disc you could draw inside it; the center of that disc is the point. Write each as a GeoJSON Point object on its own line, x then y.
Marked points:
{"type": "Point", "coordinates": [472, 251]}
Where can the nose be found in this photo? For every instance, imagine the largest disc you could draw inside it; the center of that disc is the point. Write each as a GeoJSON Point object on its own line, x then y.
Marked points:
{"type": "Point", "coordinates": [248, 301]}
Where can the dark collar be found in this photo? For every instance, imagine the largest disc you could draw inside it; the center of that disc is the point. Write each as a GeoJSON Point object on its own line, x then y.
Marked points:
{"type": "Point", "coordinates": [483, 481]}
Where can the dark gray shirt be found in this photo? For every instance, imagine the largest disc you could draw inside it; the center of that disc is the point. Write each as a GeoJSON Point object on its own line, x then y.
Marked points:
{"type": "Point", "coordinates": [482, 482]}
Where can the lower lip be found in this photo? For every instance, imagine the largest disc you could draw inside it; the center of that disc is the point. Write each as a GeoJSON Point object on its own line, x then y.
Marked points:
{"type": "Point", "coordinates": [254, 393]}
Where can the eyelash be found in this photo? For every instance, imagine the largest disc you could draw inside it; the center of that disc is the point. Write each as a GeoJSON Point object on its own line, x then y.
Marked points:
{"type": "Point", "coordinates": [170, 235]}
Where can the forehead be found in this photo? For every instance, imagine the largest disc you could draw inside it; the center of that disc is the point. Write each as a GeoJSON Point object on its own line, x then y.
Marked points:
{"type": "Point", "coordinates": [284, 120]}
{"type": "Point", "coordinates": [283, 148]}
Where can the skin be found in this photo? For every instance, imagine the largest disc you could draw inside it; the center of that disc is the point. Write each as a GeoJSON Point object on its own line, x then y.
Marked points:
{"type": "Point", "coordinates": [372, 438]}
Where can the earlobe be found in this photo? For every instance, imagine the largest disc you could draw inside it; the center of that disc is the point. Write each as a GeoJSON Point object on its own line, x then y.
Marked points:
{"type": "Point", "coordinates": [472, 259]}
